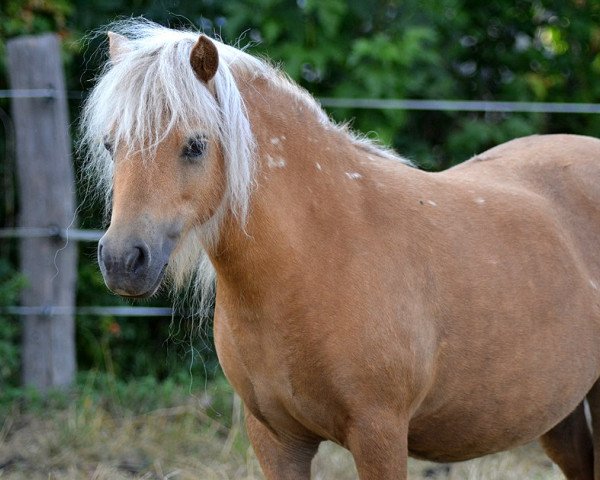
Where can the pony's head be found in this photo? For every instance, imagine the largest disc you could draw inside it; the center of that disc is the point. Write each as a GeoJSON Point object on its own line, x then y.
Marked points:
{"type": "Point", "coordinates": [169, 140]}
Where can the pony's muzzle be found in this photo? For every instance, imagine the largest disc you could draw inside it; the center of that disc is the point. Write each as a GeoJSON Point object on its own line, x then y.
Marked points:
{"type": "Point", "coordinates": [132, 267]}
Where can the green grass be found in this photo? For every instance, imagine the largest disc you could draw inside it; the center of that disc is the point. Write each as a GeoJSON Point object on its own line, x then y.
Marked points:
{"type": "Point", "coordinates": [106, 429]}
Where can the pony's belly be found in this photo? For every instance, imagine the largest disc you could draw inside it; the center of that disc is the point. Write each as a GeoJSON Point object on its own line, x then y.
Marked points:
{"type": "Point", "coordinates": [458, 442]}
{"type": "Point", "coordinates": [486, 425]}
{"type": "Point", "coordinates": [461, 445]}
{"type": "Point", "coordinates": [508, 389]}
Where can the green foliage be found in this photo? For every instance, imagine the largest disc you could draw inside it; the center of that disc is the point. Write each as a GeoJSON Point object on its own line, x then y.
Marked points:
{"type": "Point", "coordinates": [11, 282]}
{"type": "Point", "coordinates": [28, 17]}
{"type": "Point", "coordinates": [33, 16]}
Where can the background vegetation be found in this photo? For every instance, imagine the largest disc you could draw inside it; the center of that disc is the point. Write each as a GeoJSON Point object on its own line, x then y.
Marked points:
{"type": "Point", "coordinates": [513, 50]}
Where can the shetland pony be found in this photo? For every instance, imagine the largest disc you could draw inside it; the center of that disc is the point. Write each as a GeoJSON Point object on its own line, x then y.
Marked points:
{"type": "Point", "coordinates": [358, 299]}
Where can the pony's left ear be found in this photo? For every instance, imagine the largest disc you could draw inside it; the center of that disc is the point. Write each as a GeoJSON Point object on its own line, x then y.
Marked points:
{"type": "Point", "coordinates": [204, 59]}
{"type": "Point", "coordinates": [118, 45]}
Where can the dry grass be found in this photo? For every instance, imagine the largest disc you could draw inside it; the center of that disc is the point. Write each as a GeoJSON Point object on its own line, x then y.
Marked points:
{"type": "Point", "coordinates": [89, 441]}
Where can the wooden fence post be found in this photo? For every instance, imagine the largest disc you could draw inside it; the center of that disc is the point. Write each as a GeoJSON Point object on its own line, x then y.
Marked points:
{"type": "Point", "coordinates": [47, 199]}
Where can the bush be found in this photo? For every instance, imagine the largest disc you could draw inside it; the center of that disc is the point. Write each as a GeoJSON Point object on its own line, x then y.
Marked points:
{"type": "Point", "coordinates": [11, 283]}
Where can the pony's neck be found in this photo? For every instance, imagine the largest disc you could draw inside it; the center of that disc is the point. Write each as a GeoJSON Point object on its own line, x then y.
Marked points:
{"type": "Point", "coordinates": [313, 183]}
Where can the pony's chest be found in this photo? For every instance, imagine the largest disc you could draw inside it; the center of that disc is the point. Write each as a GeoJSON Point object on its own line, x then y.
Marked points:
{"type": "Point", "coordinates": [271, 384]}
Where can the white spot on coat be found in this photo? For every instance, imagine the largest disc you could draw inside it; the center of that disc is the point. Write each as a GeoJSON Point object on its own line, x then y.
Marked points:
{"type": "Point", "coordinates": [480, 201]}
{"type": "Point", "coordinates": [432, 203]}
{"type": "Point", "coordinates": [318, 165]}
{"type": "Point", "coordinates": [353, 175]}
{"type": "Point", "coordinates": [278, 141]}
{"type": "Point", "coordinates": [275, 162]}
{"type": "Point", "coordinates": [594, 285]}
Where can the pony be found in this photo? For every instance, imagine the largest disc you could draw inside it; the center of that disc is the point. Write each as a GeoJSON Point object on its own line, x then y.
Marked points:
{"type": "Point", "coordinates": [359, 299]}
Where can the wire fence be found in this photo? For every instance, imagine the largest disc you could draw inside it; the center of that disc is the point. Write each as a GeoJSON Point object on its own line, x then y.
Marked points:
{"type": "Point", "coordinates": [80, 235]}
{"type": "Point", "coordinates": [58, 233]}
{"type": "Point", "coordinates": [460, 105]}
{"type": "Point", "coordinates": [384, 103]}
{"type": "Point", "coordinates": [48, 93]}
{"type": "Point", "coordinates": [53, 310]}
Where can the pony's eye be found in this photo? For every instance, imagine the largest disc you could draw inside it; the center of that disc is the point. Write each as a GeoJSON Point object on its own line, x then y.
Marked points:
{"type": "Point", "coordinates": [108, 145]}
{"type": "Point", "coordinates": [195, 148]}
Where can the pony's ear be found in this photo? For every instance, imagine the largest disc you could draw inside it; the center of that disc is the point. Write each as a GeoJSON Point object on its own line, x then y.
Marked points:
{"type": "Point", "coordinates": [118, 45]}
{"type": "Point", "coordinates": [204, 59]}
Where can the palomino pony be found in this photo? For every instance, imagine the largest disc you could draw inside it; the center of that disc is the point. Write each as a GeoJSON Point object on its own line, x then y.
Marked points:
{"type": "Point", "coordinates": [358, 299]}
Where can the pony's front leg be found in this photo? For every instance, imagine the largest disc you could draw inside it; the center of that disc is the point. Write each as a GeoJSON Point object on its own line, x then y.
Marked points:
{"type": "Point", "coordinates": [380, 449]}
{"type": "Point", "coordinates": [280, 458]}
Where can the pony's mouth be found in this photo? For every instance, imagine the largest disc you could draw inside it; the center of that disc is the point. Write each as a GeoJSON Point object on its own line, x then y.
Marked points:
{"type": "Point", "coordinates": [148, 293]}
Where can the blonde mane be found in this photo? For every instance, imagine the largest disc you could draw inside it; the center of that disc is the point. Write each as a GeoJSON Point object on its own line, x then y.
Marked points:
{"type": "Point", "coordinates": [151, 90]}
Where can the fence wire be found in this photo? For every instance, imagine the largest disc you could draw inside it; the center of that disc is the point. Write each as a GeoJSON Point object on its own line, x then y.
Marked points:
{"type": "Point", "coordinates": [52, 232]}
{"type": "Point", "coordinates": [460, 105]}
{"type": "Point", "coordinates": [54, 310]}
{"type": "Point", "coordinates": [383, 103]}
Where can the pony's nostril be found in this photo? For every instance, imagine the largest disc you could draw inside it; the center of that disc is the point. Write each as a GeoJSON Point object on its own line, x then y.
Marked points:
{"type": "Point", "coordinates": [136, 259]}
